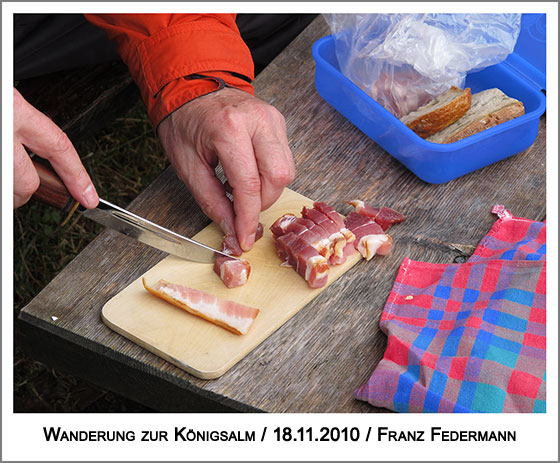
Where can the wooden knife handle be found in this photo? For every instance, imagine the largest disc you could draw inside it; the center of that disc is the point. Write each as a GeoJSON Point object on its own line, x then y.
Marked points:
{"type": "Point", "coordinates": [52, 190]}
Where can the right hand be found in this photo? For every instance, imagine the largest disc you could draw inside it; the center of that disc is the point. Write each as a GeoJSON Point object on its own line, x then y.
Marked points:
{"type": "Point", "coordinates": [248, 138]}
{"type": "Point", "coordinates": [38, 133]}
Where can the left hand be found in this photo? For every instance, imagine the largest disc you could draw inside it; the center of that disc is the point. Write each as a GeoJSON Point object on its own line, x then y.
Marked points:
{"type": "Point", "coordinates": [248, 138]}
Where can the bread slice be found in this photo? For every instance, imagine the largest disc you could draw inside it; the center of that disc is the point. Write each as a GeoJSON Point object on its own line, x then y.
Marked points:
{"type": "Point", "coordinates": [439, 113]}
{"type": "Point", "coordinates": [488, 109]}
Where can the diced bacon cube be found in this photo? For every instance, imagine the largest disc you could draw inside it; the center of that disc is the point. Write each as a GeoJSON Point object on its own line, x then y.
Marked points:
{"type": "Point", "coordinates": [278, 228]}
{"type": "Point", "coordinates": [322, 237]}
{"type": "Point", "coordinates": [231, 246]}
{"type": "Point", "coordinates": [370, 237]}
{"type": "Point", "coordinates": [232, 272]}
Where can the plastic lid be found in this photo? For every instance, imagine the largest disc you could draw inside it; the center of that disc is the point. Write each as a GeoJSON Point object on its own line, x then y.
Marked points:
{"type": "Point", "coordinates": [529, 54]}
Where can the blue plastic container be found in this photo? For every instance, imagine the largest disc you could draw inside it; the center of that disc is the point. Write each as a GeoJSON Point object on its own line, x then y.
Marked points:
{"type": "Point", "coordinates": [521, 76]}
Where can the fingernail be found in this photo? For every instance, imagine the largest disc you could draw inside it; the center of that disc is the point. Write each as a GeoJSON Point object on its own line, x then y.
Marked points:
{"type": "Point", "coordinates": [248, 244]}
{"type": "Point", "coordinates": [90, 197]}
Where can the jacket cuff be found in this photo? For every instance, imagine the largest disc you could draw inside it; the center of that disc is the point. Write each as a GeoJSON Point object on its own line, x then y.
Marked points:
{"type": "Point", "coordinates": [175, 94]}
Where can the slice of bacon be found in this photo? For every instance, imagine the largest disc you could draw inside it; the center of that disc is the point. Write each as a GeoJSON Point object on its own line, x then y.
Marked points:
{"type": "Point", "coordinates": [233, 272]}
{"type": "Point", "coordinates": [335, 236]}
{"type": "Point", "coordinates": [384, 216]}
{"type": "Point", "coordinates": [329, 212]}
{"type": "Point", "coordinates": [370, 237]}
{"type": "Point", "coordinates": [295, 252]}
{"type": "Point", "coordinates": [230, 315]}
{"type": "Point", "coordinates": [363, 208]}
{"type": "Point", "coordinates": [341, 254]}
{"type": "Point", "coordinates": [278, 228]}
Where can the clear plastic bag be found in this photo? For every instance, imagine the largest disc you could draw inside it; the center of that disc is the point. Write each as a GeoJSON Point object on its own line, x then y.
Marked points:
{"type": "Point", "coordinates": [405, 60]}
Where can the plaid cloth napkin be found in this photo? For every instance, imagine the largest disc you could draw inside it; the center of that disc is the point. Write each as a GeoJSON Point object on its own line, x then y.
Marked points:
{"type": "Point", "coordinates": [468, 337]}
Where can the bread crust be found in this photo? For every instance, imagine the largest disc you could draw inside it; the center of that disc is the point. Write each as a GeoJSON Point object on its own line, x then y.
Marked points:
{"type": "Point", "coordinates": [490, 120]}
{"type": "Point", "coordinates": [442, 116]}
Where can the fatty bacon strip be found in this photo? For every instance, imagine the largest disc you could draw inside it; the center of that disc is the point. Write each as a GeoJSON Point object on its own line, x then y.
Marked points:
{"type": "Point", "coordinates": [230, 315]}
{"type": "Point", "coordinates": [234, 272]}
{"type": "Point", "coordinates": [369, 225]}
{"type": "Point", "coordinates": [321, 238]}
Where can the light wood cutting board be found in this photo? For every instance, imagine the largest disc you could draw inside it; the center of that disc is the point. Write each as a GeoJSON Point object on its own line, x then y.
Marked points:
{"type": "Point", "coordinates": [196, 345]}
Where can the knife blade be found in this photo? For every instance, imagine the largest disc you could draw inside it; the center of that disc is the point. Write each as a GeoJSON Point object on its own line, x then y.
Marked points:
{"type": "Point", "coordinates": [53, 192]}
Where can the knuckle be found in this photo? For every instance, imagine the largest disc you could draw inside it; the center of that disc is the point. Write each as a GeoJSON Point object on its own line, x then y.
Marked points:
{"type": "Point", "coordinates": [262, 112]}
{"type": "Point", "coordinates": [250, 186]}
{"type": "Point", "coordinates": [61, 143]}
{"type": "Point", "coordinates": [232, 118]}
{"type": "Point", "coordinates": [284, 175]}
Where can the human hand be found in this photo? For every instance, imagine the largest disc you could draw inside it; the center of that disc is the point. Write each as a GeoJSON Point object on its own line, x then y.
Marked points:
{"type": "Point", "coordinates": [248, 138]}
{"type": "Point", "coordinates": [38, 133]}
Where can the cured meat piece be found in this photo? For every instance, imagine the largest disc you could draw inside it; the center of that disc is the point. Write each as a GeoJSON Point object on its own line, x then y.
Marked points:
{"type": "Point", "coordinates": [339, 255]}
{"type": "Point", "coordinates": [386, 217]}
{"type": "Point", "coordinates": [305, 259]}
{"type": "Point", "coordinates": [370, 237]}
{"type": "Point", "coordinates": [361, 225]}
{"type": "Point", "coordinates": [370, 245]}
{"type": "Point", "coordinates": [230, 244]}
{"type": "Point", "coordinates": [312, 234]}
{"type": "Point", "coordinates": [320, 219]}
{"type": "Point", "coordinates": [282, 245]}
{"type": "Point", "coordinates": [260, 231]}
{"type": "Point", "coordinates": [335, 236]}
{"type": "Point", "coordinates": [322, 237]}
{"type": "Point", "coordinates": [278, 228]}
{"type": "Point", "coordinates": [230, 315]}
{"type": "Point", "coordinates": [232, 272]}
{"type": "Point", "coordinates": [363, 208]}
{"type": "Point", "coordinates": [330, 213]}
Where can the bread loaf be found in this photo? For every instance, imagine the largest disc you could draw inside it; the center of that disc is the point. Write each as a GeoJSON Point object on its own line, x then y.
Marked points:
{"type": "Point", "coordinates": [439, 113]}
{"type": "Point", "coordinates": [488, 109]}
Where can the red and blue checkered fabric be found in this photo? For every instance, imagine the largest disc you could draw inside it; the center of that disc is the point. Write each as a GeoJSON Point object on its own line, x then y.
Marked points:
{"type": "Point", "coordinates": [468, 337]}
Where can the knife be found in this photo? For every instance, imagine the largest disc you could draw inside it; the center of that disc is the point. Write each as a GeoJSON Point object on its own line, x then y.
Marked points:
{"type": "Point", "coordinates": [53, 192]}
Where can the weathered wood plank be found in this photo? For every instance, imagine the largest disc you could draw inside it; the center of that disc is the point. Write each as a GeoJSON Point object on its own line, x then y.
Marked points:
{"type": "Point", "coordinates": [318, 359]}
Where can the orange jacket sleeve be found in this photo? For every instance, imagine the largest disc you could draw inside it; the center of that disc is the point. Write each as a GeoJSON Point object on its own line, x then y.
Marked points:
{"type": "Point", "coordinates": [174, 58]}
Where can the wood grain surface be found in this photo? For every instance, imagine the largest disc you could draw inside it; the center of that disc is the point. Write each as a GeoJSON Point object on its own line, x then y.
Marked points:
{"type": "Point", "coordinates": [196, 345]}
{"type": "Point", "coordinates": [317, 359]}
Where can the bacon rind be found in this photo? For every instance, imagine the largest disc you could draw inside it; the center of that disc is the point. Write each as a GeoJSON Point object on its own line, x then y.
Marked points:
{"type": "Point", "coordinates": [232, 316]}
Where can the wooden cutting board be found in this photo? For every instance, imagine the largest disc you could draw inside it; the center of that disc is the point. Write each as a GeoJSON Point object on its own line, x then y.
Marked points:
{"type": "Point", "coordinates": [196, 345]}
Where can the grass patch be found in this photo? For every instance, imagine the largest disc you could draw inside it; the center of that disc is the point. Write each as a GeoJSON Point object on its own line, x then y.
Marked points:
{"type": "Point", "coordinates": [122, 160]}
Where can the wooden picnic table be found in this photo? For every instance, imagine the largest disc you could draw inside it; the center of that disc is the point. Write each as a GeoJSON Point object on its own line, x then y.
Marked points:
{"type": "Point", "coordinates": [316, 360]}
